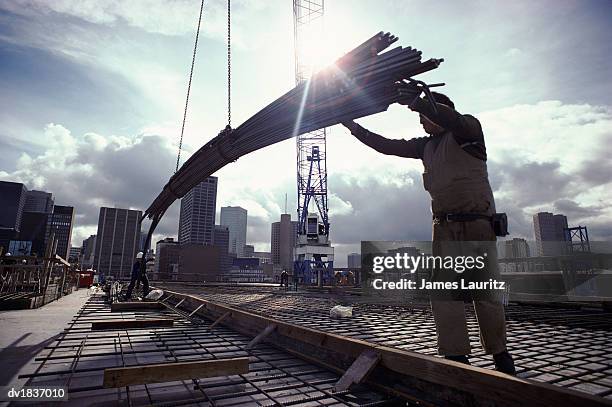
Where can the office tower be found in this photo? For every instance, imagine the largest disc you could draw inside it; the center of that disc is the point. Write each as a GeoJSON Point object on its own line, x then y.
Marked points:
{"type": "Point", "coordinates": [235, 218]}
{"type": "Point", "coordinates": [60, 225]}
{"type": "Point", "coordinates": [197, 218]}
{"type": "Point", "coordinates": [87, 252]}
{"type": "Point", "coordinates": [354, 260]}
{"type": "Point", "coordinates": [550, 233]}
{"type": "Point", "coordinates": [117, 242]}
{"type": "Point", "coordinates": [283, 239]}
{"type": "Point", "coordinates": [33, 228]}
{"type": "Point", "coordinates": [221, 241]}
{"type": "Point", "coordinates": [166, 259]}
{"type": "Point", "coordinates": [38, 201]}
{"type": "Point", "coordinates": [12, 201]}
{"type": "Point", "coordinates": [516, 248]}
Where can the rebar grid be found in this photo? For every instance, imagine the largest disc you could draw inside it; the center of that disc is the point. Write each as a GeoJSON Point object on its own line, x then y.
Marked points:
{"type": "Point", "coordinates": [79, 356]}
{"type": "Point", "coordinates": [568, 347]}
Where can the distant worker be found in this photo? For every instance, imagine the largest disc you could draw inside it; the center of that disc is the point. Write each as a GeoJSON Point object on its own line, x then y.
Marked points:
{"type": "Point", "coordinates": [284, 279]}
{"type": "Point", "coordinates": [455, 175]}
{"type": "Point", "coordinates": [138, 275]}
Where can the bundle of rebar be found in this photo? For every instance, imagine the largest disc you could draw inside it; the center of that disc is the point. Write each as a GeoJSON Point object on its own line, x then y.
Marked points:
{"type": "Point", "coordinates": [359, 84]}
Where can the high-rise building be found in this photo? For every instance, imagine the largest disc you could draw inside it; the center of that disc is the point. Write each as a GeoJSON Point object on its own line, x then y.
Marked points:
{"type": "Point", "coordinates": [12, 201]}
{"type": "Point", "coordinates": [60, 225]}
{"type": "Point", "coordinates": [117, 241]}
{"type": "Point", "coordinates": [235, 218]}
{"type": "Point", "coordinates": [34, 229]}
{"type": "Point", "coordinates": [166, 259]}
{"type": "Point", "coordinates": [38, 201]}
{"type": "Point", "coordinates": [88, 249]}
{"type": "Point", "coordinates": [516, 248]}
{"type": "Point", "coordinates": [550, 233]}
{"type": "Point", "coordinates": [354, 260]}
{"type": "Point", "coordinates": [197, 218]}
{"type": "Point", "coordinates": [221, 241]}
{"type": "Point", "coordinates": [283, 237]}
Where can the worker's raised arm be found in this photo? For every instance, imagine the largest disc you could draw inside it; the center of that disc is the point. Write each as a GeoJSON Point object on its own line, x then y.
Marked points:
{"type": "Point", "coordinates": [465, 126]}
{"type": "Point", "coordinates": [403, 148]}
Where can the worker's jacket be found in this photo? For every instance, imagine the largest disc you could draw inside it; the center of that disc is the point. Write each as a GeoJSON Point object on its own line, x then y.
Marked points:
{"type": "Point", "coordinates": [455, 168]}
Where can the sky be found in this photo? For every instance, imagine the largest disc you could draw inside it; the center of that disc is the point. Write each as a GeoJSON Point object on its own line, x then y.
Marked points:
{"type": "Point", "coordinates": [93, 91]}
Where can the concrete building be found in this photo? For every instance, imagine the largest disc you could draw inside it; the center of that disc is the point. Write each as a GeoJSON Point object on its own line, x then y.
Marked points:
{"type": "Point", "coordinates": [198, 263]}
{"type": "Point", "coordinates": [197, 217]}
{"type": "Point", "coordinates": [38, 201]}
{"type": "Point", "coordinates": [283, 238]}
{"type": "Point", "coordinates": [12, 201]}
{"type": "Point", "coordinates": [74, 254]}
{"type": "Point", "coordinates": [87, 252]}
{"type": "Point", "coordinates": [249, 249]}
{"type": "Point", "coordinates": [166, 260]}
{"type": "Point", "coordinates": [117, 242]}
{"type": "Point", "coordinates": [235, 218]}
{"type": "Point", "coordinates": [60, 224]}
{"type": "Point", "coordinates": [221, 241]}
{"type": "Point", "coordinates": [516, 248]}
{"type": "Point", "coordinates": [550, 233]}
{"type": "Point", "coordinates": [354, 261]}
{"type": "Point", "coordinates": [264, 257]}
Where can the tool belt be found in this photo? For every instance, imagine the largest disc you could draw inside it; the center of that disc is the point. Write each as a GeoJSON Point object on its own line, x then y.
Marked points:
{"type": "Point", "coordinates": [499, 221]}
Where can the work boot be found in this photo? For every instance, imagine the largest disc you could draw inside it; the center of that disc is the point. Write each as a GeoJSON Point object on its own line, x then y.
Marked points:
{"type": "Point", "coordinates": [459, 358]}
{"type": "Point", "coordinates": [504, 363]}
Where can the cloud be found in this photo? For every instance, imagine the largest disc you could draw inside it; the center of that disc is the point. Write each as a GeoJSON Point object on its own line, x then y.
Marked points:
{"type": "Point", "coordinates": [94, 170]}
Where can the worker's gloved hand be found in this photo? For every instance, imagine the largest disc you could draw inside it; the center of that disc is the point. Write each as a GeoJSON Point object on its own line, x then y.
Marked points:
{"type": "Point", "coordinates": [354, 128]}
{"type": "Point", "coordinates": [408, 93]}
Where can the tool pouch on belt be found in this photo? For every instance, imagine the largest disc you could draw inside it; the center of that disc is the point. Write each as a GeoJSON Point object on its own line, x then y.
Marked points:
{"type": "Point", "coordinates": [500, 224]}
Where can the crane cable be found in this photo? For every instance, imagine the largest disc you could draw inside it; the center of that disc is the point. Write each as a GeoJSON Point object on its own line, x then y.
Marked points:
{"type": "Point", "coordinates": [229, 65]}
{"type": "Point", "coordinates": [195, 49]}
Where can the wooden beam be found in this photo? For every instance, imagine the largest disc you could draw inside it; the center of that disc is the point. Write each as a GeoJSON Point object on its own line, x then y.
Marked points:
{"type": "Point", "coordinates": [400, 371]}
{"type": "Point", "coordinates": [221, 318]}
{"type": "Point", "coordinates": [359, 370]}
{"type": "Point", "coordinates": [135, 305]}
{"type": "Point", "coordinates": [131, 323]}
{"type": "Point", "coordinates": [168, 372]}
{"type": "Point", "coordinates": [262, 335]}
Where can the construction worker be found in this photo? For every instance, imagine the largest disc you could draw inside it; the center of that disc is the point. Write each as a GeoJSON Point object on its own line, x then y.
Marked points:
{"type": "Point", "coordinates": [455, 175]}
{"type": "Point", "coordinates": [284, 279]}
{"type": "Point", "coordinates": [138, 275]}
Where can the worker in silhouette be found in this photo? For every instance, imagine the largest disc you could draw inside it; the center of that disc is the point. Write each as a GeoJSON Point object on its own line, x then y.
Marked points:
{"type": "Point", "coordinates": [284, 279]}
{"type": "Point", "coordinates": [455, 175]}
{"type": "Point", "coordinates": [138, 274]}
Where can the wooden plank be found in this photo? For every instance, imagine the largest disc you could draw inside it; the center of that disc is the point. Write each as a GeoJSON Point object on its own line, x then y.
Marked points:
{"type": "Point", "coordinates": [168, 372]}
{"type": "Point", "coordinates": [359, 370]}
{"type": "Point", "coordinates": [135, 305]}
{"type": "Point", "coordinates": [454, 382]}
{"type": "Point", "coordinates": [262, 335]}
{"type": "Point", "coordinates": [221, 318]}
{"type": "Point", "coordinates": [131, 323]}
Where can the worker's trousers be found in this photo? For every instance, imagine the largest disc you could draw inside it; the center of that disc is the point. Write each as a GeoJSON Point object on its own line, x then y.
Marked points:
{"type": "Point", "coordinates": [449, 314]}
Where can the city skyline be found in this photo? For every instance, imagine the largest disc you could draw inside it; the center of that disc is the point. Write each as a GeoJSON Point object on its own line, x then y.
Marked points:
{"type": "Point", "coordinates": [121, 150]}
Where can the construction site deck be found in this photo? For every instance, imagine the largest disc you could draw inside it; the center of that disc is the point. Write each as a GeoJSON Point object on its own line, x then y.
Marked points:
{"type": "Point", "coordinates": [300, 354]}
